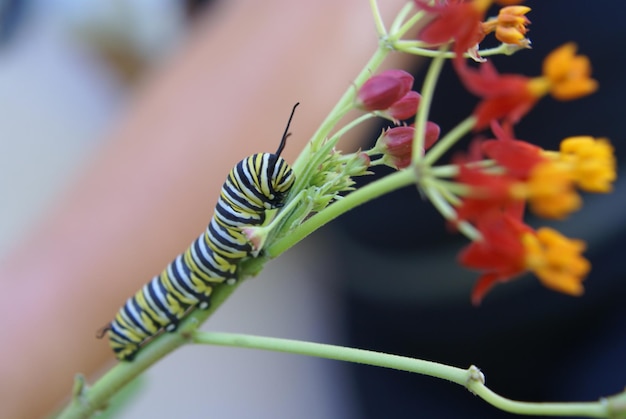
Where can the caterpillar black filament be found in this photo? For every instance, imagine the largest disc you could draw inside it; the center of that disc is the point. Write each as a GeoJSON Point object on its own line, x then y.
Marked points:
{"type": "Point", "coordinates": [256, 184]}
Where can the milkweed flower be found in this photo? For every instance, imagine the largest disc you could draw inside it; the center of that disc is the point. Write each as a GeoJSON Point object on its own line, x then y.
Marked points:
{"type": "Point", "coordinates": [525, 173]}
{"type": "Point", "coordinates": [499, 188]}
{"type": "Point", "coordinates": [556, 260]}
{"type": "Point", "coordinates": [487, 192]}
{"type": "Point", "coordinates": [591, 162]}
{"type": "Point", "coordinates": [505, 97]}
{"type": "Point", "coordinates": [509, 97]}
{"type": "Point", "coordinates": [549, 190]}
{"type": "Point", "coordinates": [566, 76]}
{"type": "Point", "coordinates": [508, 248]}
{"type": "Point", "coordinates": [517, 156]}
{"type": "Point", "coordinates": [459, 21]}
{"type": "Point", "coordinates": [582, 162]}
{"type": "Point", "coordinates": [510, 26]}
{"type": "Point", "coordinates": [381, 91]}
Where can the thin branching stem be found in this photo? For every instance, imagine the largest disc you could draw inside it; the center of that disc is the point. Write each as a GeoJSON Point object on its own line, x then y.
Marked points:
{"type": "Point", "coordinates": [90, 400]}
{"type": "Point", "coordinates": [364, 194]}
{"type": "Point", "coordinates": [471, 378]}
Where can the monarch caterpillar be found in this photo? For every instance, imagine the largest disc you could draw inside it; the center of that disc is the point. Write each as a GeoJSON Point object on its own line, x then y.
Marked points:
{"type": "Point", "coordinates": [256, 184]}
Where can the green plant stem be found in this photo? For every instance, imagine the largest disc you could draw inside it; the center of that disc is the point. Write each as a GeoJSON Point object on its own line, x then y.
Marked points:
{"type": "Point", "coordinates": [420, 48]}
{"type": "Point", "coordinates": [378, 20]}
{"type": "Point", "coordinates": [342, 131]}
{"type": "Point", "coordinates": [407, 26]}
{"type": "Point", "coordinates": [428, 90]}
{"type": "Point", "coordinates": [412, 47]}
{"type": "Point", "coordinates": [597, 409]}
{"type": "Point", "coordinates": [443, 206]}
{"type": "Point", "coordinates": [303, 166]}
{"type": "Point", "coordinates": [470, 378]}
{"type": "Point", "coordinates": [449, 140]}
{"type": "Point", "coordinates": [397, 22]}
{"type": "Point", "coordinates": [340, 353]}
{"type": "Point", "coordinates": [451, 170]}
{"type": "Point", "coordinates": [364, 194]}
{"type": "Point", "coordinates": [90, 400]}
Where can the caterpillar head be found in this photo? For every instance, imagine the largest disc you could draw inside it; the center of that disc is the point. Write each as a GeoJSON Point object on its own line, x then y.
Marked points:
{"type": "Point", "coordinates": [281, 179]}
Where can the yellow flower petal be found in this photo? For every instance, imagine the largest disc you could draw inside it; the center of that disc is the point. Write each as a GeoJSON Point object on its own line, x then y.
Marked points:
{"type": "Point", "coordinates": [556, 260]}
{"type": "Point", "coordinates": [592, 162]}
{"type": "Point", "coordinates": [550, 190]}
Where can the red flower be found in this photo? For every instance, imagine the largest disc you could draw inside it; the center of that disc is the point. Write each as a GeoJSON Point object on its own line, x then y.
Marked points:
{"type": "Point", "coordinates": [505, 97]}
{"type": "Point", "coordinates": [508, 248]}
{"type": "Point", "coordinates": [518, 157]}
{"type": "Point", "coordinates": [456, 20]}
{"type": "Point", "coordinates": [489, 193]}
{"type": "Point", "coordinates": [500, 254]}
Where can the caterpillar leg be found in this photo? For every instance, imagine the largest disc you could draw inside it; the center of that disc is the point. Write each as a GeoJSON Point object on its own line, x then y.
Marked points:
{"type": "Point", "coordinates": [123, 348]}
{"type": "Point", "coordinates": [126, 353]}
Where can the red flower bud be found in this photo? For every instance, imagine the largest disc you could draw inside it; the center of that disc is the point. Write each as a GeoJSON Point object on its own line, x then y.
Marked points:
{"type": "Point", "coordinates": [431, 135]}
{"type": "Point", "coordinates": [397, 143]}
{"type": "Point", "coordinates": [405, 107]}
{"type": "Point", "coordinates": [383, 90]}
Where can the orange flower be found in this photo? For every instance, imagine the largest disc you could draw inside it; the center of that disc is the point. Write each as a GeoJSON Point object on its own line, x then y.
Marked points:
{"type": "Point", "coordinates": [566, 76]}
{"type": "Point", "coordinates": [510, 25]}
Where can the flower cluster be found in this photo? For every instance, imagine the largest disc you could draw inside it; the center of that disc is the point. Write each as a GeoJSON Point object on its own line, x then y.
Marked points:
{"type": "Point", "coordinates": [509, 248]}
{"type": "Point", "coordinates": [499, 178]}
{"type": "Point", "coordinates": [547, 181]}
{"type": "Point", "coordinates": [388, 95]}
{"type": "Point", "coordinates": [486, 192]}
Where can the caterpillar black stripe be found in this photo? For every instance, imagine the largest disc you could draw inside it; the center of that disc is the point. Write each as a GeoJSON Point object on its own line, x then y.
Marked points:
{"type": "Point", "coordinates": [256, 184]}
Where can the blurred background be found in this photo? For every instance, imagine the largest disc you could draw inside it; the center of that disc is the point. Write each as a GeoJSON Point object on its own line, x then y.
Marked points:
{"type": "Point", "coordinates": [69, 72]}
{"type": "Point", "coordinates": [380, 278]}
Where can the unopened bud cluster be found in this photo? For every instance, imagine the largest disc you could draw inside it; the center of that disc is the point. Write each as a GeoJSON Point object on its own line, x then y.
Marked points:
{"type": "Point", "coordinates": [389, 95]}
{"type": "Point", "coordinates": [334, 176]}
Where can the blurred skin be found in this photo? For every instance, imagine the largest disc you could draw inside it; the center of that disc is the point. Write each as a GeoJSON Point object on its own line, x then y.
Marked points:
{"type": "Point", "coordinates": [151, 189]}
